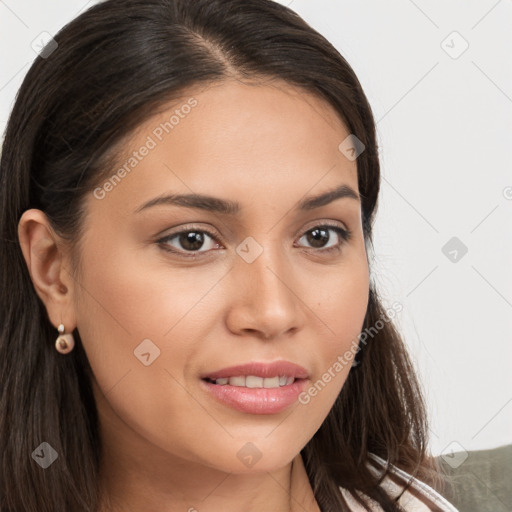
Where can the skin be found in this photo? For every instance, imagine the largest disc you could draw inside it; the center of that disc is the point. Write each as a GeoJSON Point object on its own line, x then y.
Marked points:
{"type": "Point", "coordinates": [168, 445]}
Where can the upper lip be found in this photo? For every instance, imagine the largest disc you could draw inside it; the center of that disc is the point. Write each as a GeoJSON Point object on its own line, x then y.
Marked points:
{"type": "Point", "coordinates": [261, 369]}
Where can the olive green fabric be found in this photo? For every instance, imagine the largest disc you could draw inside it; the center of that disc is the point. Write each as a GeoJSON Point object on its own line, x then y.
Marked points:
{"type": "Point", "coordinates": [479, 481]}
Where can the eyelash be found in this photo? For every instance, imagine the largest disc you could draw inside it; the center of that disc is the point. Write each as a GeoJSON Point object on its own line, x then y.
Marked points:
{"type": "Point", "coordinates": [344, 234]}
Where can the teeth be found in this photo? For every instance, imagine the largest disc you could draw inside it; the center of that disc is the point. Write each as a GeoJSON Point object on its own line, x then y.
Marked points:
{"type": "Point", "coordinates": [267, 383]}
{"type": "Point", "coordinates": [237, 381]}
{"type": "Point", "coordinates": [255, 382]}
{"type": "Point", "coordinates": [251, 381]}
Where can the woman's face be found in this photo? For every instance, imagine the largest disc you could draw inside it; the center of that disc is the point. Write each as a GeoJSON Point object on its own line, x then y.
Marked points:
{"type": "Point", "coordinates": [157, 311]}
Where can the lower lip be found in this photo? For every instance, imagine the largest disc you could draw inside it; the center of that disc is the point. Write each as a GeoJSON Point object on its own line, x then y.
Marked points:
{"type": "Point", "coordinates": [257, 400]}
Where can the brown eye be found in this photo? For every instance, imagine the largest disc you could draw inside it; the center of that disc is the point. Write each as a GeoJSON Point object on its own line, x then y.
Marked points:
{"type": "Point", "coordinates": [319, 236]}
{"type": "Point", "coordinates": [189, 240]}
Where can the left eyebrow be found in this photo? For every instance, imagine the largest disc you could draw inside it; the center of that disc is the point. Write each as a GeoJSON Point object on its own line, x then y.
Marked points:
{"type": "Point", "coordinates": [226, 207]}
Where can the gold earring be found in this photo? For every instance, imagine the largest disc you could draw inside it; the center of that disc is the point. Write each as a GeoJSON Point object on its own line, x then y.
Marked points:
{"type": "Point", "coordinates": [65, 342]}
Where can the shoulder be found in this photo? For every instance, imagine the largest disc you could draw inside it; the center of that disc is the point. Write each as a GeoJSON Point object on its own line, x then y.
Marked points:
{"type": "Point", "coordinates": [418, 497]}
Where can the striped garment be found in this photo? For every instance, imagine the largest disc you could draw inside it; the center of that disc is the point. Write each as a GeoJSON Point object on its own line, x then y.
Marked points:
{"type": "Point", "coordinates": [419, 497]}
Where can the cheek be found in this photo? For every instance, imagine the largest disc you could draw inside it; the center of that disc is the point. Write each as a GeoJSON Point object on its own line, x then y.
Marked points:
{"type": "Point", "coordinates": [343, 302]}
{"type": "Point", "coordinates": [131, 313]}
{"type": "Point", "coordinates": [340, 312]}
{"type": "Point", "coordinates": [137, 325]}
{"type": "Point", "coordinates": [132, 295]}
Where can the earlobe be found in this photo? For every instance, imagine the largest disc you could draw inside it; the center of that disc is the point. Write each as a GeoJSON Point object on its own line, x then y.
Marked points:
{"type": "Point", "coordinates": [44, 256]}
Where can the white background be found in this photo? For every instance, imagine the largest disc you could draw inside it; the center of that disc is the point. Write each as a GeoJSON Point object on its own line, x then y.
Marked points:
{"type": "Point", "coordinates": [445, 134]}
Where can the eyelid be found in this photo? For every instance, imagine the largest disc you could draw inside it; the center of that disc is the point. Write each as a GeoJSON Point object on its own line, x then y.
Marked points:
{"type": "Point", "coordinates": [325, 223]}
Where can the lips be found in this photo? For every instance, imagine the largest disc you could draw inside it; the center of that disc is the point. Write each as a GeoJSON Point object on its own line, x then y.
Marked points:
{"type": "Point", "coordinates": [255, 400]}
{"type": "Point", "coordinates": [260, 369]}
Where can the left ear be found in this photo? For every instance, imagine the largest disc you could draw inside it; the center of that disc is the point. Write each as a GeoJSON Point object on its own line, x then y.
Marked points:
{"type": "Point", "coordinates": [46, 259]}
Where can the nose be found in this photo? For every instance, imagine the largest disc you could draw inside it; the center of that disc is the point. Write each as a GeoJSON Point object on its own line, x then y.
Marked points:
{"type": "Point", "coordinates": [265, 300]}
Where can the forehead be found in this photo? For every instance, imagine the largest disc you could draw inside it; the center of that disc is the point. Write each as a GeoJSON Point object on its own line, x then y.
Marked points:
{"type": "Point", "coordinates": [231, 139]}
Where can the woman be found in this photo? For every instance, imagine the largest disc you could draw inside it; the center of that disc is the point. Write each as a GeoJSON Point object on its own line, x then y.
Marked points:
{"type": "Point", "coordinates": [188, 192]}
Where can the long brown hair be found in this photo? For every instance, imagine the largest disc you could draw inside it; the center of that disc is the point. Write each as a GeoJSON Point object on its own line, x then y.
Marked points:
{"type": "Point", "coordinates": [109, 70]}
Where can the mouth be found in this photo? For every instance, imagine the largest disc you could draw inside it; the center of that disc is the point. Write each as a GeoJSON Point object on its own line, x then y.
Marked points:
{"type": "Point", "coordinates": [253, 381]}
{"type": "Point", "coordinates": [255, 395]}
{"type": "Point", "coordinates": [258, 374]}
{"type": "Point", "coordinates": [257, 387]}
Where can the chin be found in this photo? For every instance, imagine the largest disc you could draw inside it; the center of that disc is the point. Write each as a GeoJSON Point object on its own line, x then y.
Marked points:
{"type": "Point", "coordinates": [252, 458]}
